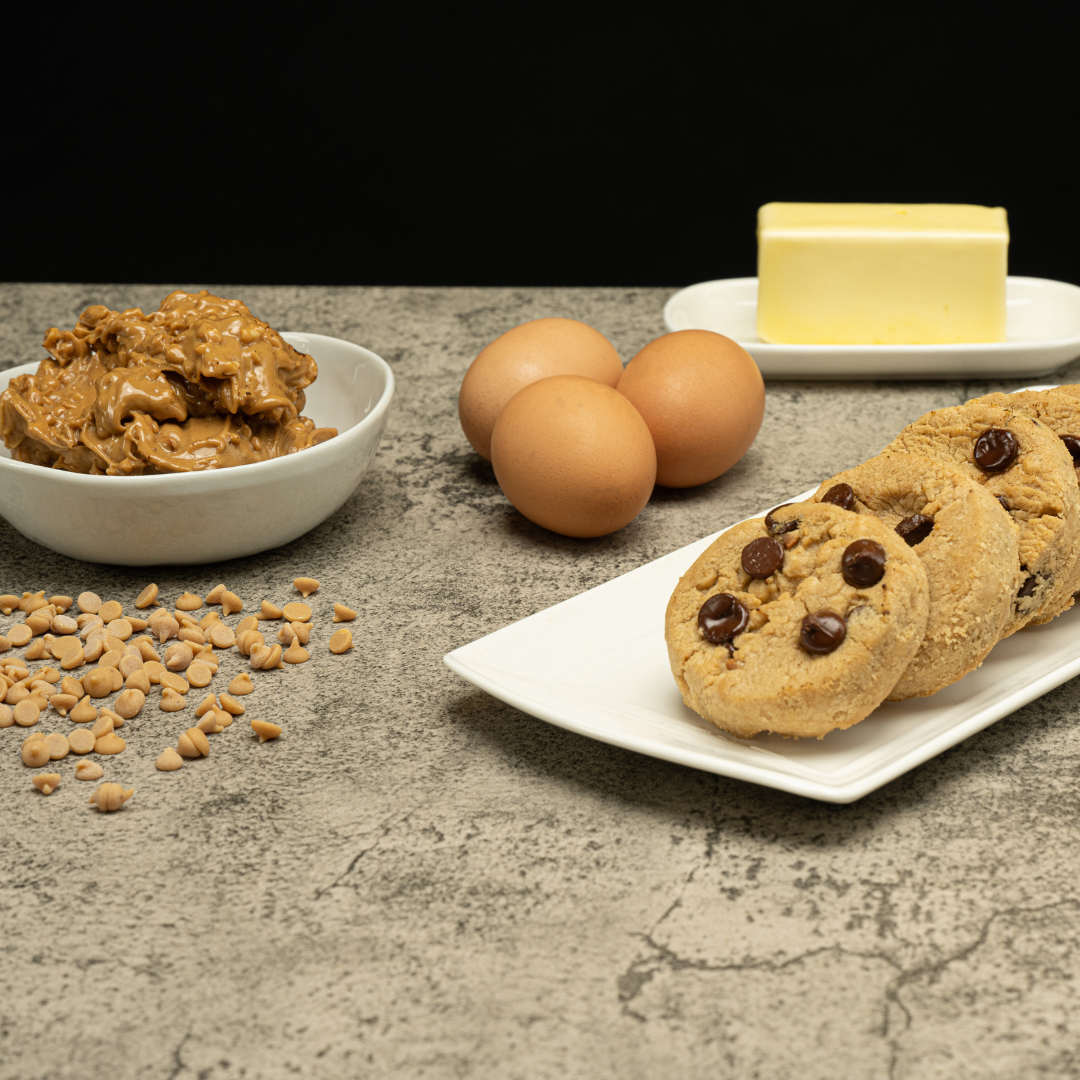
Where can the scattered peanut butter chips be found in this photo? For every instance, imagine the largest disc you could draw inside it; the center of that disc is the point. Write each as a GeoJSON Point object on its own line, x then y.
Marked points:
{"type": "Point", "coordinates": [98, 635]}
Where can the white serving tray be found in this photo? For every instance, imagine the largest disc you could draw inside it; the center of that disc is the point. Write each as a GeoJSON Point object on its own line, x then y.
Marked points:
{"type": "Point", "coordinates": [1042, 331]}
{"type": "Point", "coordinates": [597, 665]}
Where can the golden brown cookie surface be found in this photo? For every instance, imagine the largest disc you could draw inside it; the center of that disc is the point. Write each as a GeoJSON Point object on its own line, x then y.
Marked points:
{"type": "Point", "coordinates": [799, 623]}
{"type": "Point", "coordinates": [1023, 464]}
{"type": "Point", "coordinates": [968, 547]}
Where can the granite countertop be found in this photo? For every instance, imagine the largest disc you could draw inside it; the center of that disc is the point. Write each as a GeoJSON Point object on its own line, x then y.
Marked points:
{"type": "Point", "coordinates": [418, 880]}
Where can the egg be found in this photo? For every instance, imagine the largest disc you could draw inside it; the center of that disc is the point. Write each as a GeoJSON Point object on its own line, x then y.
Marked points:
{"type": "Point", "coordinates": [574, 456]}
{"type": "Point", "coordinates": [703, 399]}
{"type": "Point", "coordinates": [531, 351]}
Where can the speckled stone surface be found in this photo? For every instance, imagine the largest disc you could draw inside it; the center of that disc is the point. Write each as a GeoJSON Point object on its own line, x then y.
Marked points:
{"type": "Point", "coordinates": [417, 880]}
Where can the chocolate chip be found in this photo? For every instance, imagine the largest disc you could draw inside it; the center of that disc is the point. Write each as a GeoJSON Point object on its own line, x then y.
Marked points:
{"type": "Point", "coordinates": [1028, 588]}
{"type": "Point", "coordinates": [840, 495]}
{"type": "Point", "coordinates": [1004, 502]}
{"type": "Point", "coordinates": [1072, 444]}
{"type": "Point", "coordinates": [721, 618]}
{"type": "Point", "coordinates": [822, 632]}
{"type": "Point", "coordinates": [995, 450]}
{"type": "Point", "coordinates": [778, 528]}
{"type": "Point", "coordinates": [915, 528]}
{"type": "Point", "coordinates": [863, 563]}
{"type": "Point", "coordinates": [762, 557]}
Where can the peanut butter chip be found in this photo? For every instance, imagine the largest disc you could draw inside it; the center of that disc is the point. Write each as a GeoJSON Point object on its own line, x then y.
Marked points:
{"type": "Point", "coordinates": [296, 612]}
{"type": "Point", "coordinates": [340, 641]}
{"type": "Point", "coordinates": [169, 760]}
{"type": "Point", "coordinates": [109, 611]}
{"type": "Point", "coordinates": [98, 682]}
{"type": "Point", "coordinates": [241, 685]}
{"type": "Point", "coordinates": [154, 670]}
{"type": "Point", "coordinates": [295, 654]}
{"type": "Point", "coordinates": [265, 730]}
{"type": "Point", "coordinates": [81, 741]}
{"type": "Point", "coordinates": [231, 705]}
{"type": "Point", "coordinates": [64, 624]}
{"type": "Point", "coordinates": [343, 613]}
{"type": "Point", "coordinates": [35, 753]}
{"type": "Point", "coordinates": [209, 702]}
{"type": "Point", "coordinates": [189, 602]}
{"type": "Point", "coordinates": [19, 635]}
{"type": "Point", "coordinates": [32, 601]}
{"type": "Point", "coordinates": [103, 725]}
{"type": "Point", "coordinates": [269, 611]}
{"type": "Point", "coordinates": [230, 602]}
{"type": "Point", "coordinates": [57, 745]}
{"type": "Point", "coordinates": [215, 594]}
{"type": "Point", "coordinates": [175, 682]}
{"type": "Point", "coordinates": [88, 770]}
{"type": "Point", "coordinates": [109, 744]}
{"type": "Point", "coordinates": [130, 703]}
{"type": "Point", "coordinates": [214, 722]}
{"type": "Point", "coordinates": [7, 718]}
{"type": "Point", "coordinates": [193, 743]}
{"type": "Point", "coordinates": [221, 636]}
{"type": "Point", "coordinates": [62, 703]}
{"type": "Point", "coordinates": [199, 674]}
{"type": "Point", "coordinates": [246, 624]}
{"type": "Point", "coordinates": [110, 797]}
{"type": "Point", "coordinates": [5, 643]}
{"type": "Point", "coordinates": [171, 701]}
{"type": "Point", "coordinates": [146, 597]}
{"type": "Point", "coordinates": [120, 629]}
{"type": "Point", "coordinates": [61, 603]}
{"type": "Point", "coordinates": [179, 656]}
{"type": "Point", "coordinates": [8, 603]}
{"type": "Point", "coordinates": [46, 783]}
{"type": "Point", "coordinates": [84, 712]}
{"type": "Point", "coordinates": [89, 602]}
{"type": "Point", "coordinates": [306, 586]}
{"type": "Point", "coordinates": [26, 712]}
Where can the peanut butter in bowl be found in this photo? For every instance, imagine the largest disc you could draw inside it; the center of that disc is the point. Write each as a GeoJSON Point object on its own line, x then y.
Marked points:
{"type": "Point", "coordinates": [198, 384]}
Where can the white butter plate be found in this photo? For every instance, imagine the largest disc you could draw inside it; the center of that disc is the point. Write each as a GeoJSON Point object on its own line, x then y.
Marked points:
{"type": "Point", "coordinates": [597, 665]}
{"type": "Point", "coordinates": [1042, 334]}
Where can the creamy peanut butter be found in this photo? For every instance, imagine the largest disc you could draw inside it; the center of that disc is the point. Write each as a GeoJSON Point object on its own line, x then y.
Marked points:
{"type": "Point", "coordinates": [201, 383]}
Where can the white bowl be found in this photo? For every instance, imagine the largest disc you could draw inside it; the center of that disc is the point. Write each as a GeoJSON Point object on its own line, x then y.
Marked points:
{"type": "Point", "coordinates": [190, 518]}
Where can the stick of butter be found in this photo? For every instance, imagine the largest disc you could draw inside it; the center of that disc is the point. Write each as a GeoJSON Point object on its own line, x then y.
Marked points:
{"type": "Point", "coordinates": [881, 273]}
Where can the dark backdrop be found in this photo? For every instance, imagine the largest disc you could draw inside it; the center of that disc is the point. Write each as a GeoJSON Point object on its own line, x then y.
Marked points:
{"type": "Point", "coordinates": [556, 150]}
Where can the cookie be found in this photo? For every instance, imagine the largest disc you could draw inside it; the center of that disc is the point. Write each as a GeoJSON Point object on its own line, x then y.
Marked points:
{"type": "Point", "coordinates": [797, 623]}
{"type": "Point", "coordinates": [967, 546]}
{"type": "Point", "coordinates": [1058, 409]}
{"type": "Point", "coordinates": [1026, 467]}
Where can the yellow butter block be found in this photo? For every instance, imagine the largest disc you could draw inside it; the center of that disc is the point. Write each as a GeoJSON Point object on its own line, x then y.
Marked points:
{"type": "Point", "coordinates": [881, 273]}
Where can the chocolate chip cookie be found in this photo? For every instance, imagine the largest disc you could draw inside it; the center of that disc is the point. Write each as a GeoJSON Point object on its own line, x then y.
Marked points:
{"type": "Point", "coordinates": [967, 546]}
{"type": "Point", "coordinates": [798, 623]}
{"type": "Point", "coordinates": [1058, 409]}
{"type": "Point", "coordinates": [1026, 467]}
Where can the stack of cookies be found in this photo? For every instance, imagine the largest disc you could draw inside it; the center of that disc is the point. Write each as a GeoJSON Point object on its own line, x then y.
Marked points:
{"type": "Point", "coordinates": [895, 580]}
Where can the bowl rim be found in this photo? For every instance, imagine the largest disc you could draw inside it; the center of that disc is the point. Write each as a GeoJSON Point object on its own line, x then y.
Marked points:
{"type": "Point", "coordinates": [215, 478]}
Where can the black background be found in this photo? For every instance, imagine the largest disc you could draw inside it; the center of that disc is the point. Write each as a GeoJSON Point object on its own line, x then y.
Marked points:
{"type": "Point", "coordinates": [227, 146]}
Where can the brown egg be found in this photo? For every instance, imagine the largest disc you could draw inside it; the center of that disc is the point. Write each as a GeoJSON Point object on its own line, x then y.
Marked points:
{"type": "Point", "coordinates": [531, 351]}
{"type": "Point", "coordinates": [573, 455]}
{"type": "Point", "coordinates": [703, 399]}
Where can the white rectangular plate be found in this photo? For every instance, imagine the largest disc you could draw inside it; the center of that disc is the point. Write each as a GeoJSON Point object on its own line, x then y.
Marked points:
{"type": "Point", "coordinates": [597, 665]}
{"type": "Point", "coordinates": [1042, 333]}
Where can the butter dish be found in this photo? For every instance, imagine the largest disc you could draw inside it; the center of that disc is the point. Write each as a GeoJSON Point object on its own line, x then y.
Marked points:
{"type": "Point", "coordinates": [1042, 334]}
